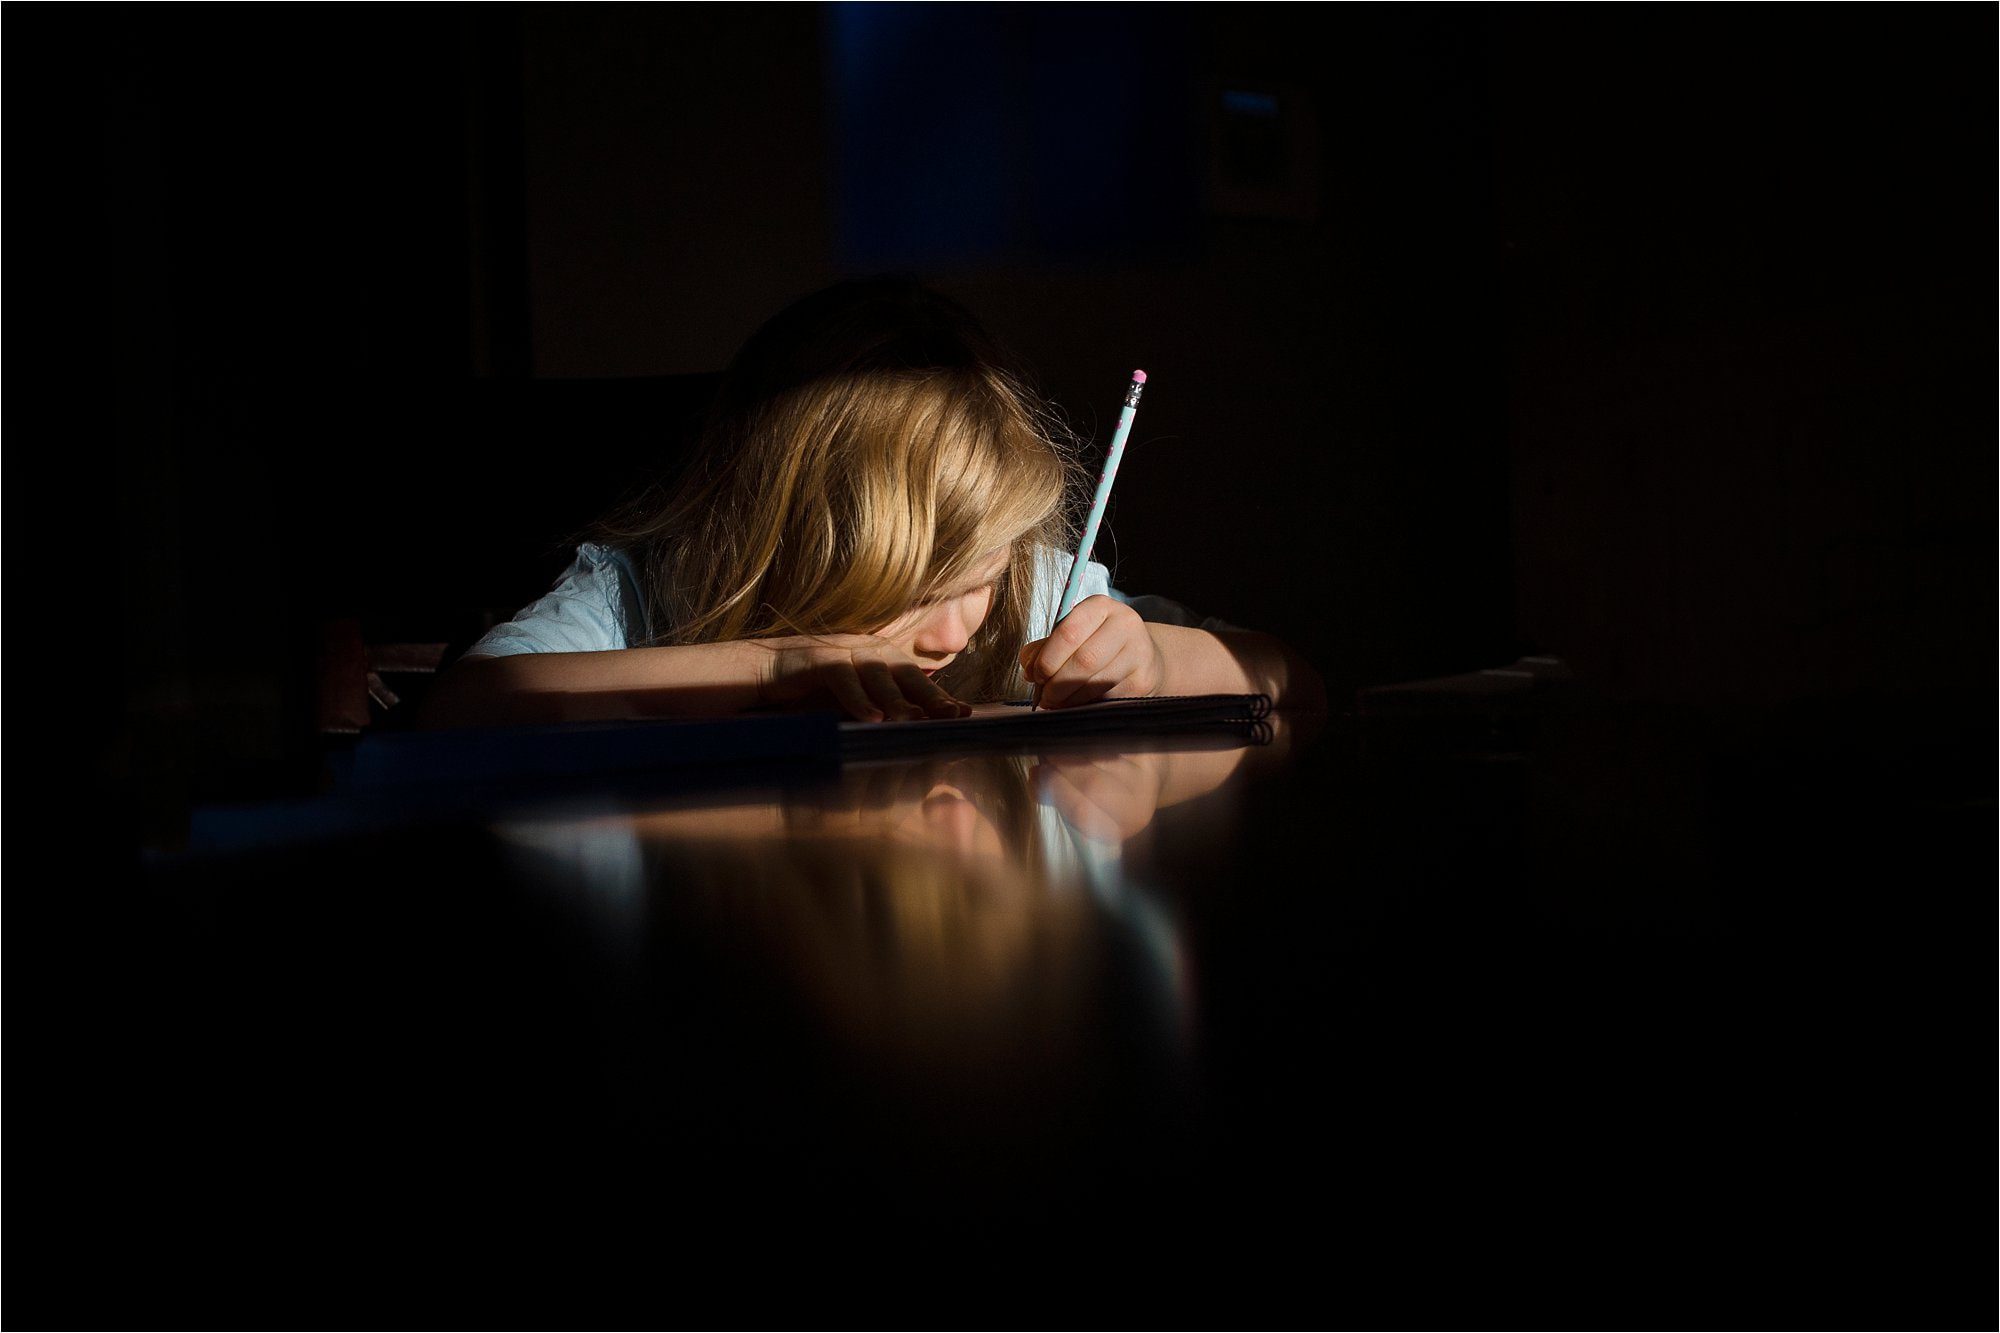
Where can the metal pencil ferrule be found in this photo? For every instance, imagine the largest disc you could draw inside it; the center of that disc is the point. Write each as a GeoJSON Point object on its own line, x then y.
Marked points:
{"type": "Point", "coordinates": [1132, 392]}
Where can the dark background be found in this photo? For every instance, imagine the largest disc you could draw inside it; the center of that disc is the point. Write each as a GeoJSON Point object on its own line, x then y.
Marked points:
{"type": "Point", "coordinates": [1657, 339]}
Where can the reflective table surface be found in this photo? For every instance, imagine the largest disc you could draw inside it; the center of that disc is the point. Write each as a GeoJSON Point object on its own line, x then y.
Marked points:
{"type": "Point", "coordinates": [1595, 1014]}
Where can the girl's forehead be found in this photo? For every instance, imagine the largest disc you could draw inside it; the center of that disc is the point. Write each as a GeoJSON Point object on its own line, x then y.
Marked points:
{"type": "Point", "coordinates": [989, 565]}
{"type": "Point", "coordinates": [986, 564]}
{"type": "Point", "coordinates": [987, 568]}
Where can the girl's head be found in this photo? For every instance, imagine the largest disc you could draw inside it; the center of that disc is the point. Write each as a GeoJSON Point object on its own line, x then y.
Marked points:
{"type": "Point", "coordinates": [871, 466]}
{"type": "Point", "coordinates": [920, 910]}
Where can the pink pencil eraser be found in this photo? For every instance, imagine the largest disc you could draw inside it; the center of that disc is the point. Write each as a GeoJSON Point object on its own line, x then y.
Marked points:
{"type": "Point", "coordinates": [1139, 377]}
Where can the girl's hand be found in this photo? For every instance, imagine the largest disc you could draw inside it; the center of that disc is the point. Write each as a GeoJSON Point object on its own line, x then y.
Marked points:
{"type": "Point", "coordinates": [864, 676]}
{"type": "Point", "coordinates": [1101, 650]}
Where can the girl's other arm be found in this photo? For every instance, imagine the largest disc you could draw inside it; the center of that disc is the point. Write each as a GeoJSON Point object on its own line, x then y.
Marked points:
{"type": "Point", "coordinates": [701, 680]}
{"type": "Point", "coordinates": [861, 675]}
{"type": "Point", "coordinates": [1196, 661]}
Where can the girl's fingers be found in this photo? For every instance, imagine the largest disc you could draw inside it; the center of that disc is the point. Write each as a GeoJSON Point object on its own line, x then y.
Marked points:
{"type": "Point", "coordinates": [1077, 628]}
{"type": "Point", "coordinates": [880, 682]}
{"type": "Point", "coordinates": [845, 686]}
{"type": "Point", "coordinates": [1028, 655]}
{"type": "Point", "coordinates": [876, 689]}
{"type": "Point", "coordinates": [1094, 670]}
{"type": "Point", "coordinates": [927, 693]}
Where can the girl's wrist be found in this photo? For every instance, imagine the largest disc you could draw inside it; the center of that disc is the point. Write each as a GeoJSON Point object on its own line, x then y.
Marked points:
{"type": "Point", "coordinates": [1194, 661]}
{"type": "Point", "coordinates": [731, 675]}
{"type": "Point", "coordinates": [1160, 666]}
{"type": "Point", "coordinates": [1167, 679]}
{"type": "Point", "coordinates": [753, 663]}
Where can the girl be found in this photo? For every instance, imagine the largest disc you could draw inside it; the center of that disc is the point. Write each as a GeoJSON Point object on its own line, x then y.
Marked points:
{"type": "Point", "coordinates": [875, 520]}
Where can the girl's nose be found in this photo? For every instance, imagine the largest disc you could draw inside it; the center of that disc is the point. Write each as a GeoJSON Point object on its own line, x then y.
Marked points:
{"type": "Point", "coordinates": [943, 631]}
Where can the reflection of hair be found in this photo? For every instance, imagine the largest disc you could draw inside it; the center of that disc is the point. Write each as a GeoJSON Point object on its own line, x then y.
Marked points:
{"type": "Point", "coordinates": [900, 947]}
{"type": "Point", "coordinates": [867, 447]}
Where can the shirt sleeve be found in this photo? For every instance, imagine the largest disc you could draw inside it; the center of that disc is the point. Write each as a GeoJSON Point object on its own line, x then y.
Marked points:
{"type": "Point", "coordinates": [1051, 576]}
{"type": "Point", "coordinates": [585, 612]}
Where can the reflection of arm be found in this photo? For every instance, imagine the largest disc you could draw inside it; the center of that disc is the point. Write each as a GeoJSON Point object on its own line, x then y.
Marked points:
{"type": "Point", "coordinates": [764, 819]}
{"type": "Point", "coordinates": [1192, 773]}
{"type": "Point", "coordinates": [1113, 794]}
{"type": "Point", "coordinates": [1186, 774]}
{"type": "Point", "coordinates": [1110, 796]}
{"type": "Point", "coordinates": [865, 801]}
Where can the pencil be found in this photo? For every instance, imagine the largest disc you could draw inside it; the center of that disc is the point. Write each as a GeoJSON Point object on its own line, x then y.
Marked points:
{"type": "Point", "coordinates": [1074, 588]}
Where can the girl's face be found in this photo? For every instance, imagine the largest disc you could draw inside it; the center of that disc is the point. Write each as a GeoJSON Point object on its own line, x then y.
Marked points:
{"type": "Point", "coordinates": [936, 632]}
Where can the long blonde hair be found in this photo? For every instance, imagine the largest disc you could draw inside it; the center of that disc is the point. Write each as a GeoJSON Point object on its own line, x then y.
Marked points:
{"type": "Point", "coordinates": [867, 450]}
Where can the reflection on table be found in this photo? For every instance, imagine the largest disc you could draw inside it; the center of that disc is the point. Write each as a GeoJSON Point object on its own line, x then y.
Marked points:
{"type": "Point", "coordinates": [966, 916]}
{"type": "Point", "coordinates": [1568, 985]}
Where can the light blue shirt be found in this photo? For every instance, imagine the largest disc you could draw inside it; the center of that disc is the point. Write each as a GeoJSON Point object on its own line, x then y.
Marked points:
{"type": "Point", "coordinates": [597, 603]}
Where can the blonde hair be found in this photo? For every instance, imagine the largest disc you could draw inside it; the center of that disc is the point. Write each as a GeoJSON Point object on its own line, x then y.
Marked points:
{"type": "Point", "coordinates": [868, 450]}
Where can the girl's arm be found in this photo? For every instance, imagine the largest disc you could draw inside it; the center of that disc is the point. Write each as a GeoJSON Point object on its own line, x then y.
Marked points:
{"type": "Point", "coordinates": [702, 680]}
{"type": "Point", "coordinates": [1103, 650]}
{"type": "Point", "coordinates": [1195, 661]}
{"type": "Point", "coordinates": [862, 675]}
